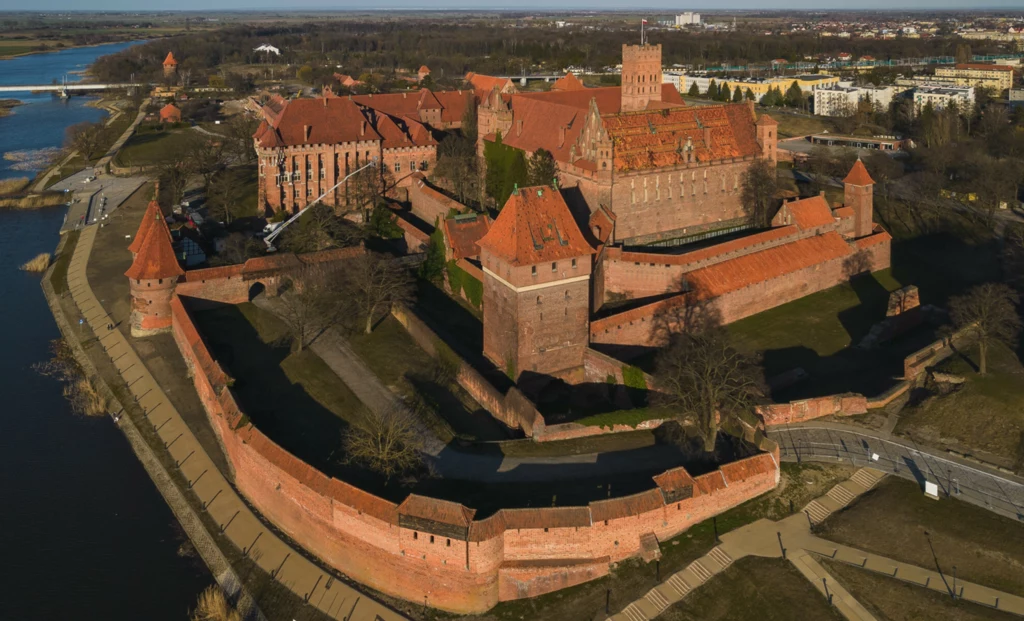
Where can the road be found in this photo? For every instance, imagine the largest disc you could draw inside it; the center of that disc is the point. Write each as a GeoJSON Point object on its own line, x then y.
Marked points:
{"type": "Point", "coordinates": [985, 487]}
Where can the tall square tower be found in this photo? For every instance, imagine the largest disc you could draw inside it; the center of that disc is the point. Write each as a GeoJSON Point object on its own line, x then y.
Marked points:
{"type": "Point", "coordinates": [537, 267]}
{"type": "Point", "coordinates": [641, 76]}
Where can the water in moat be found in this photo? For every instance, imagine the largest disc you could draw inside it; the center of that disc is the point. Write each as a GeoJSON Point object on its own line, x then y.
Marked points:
{"type": "Point", "coordinates": [83, 531]}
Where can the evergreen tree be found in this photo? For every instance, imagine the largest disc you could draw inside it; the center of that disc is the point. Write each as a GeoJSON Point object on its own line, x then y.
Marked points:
{"type": "Point", "coordinates": [737, 95]}
{"type": "Point", "coordinates": [794, 96]}
{"type": "Point", "coordinates": [724, 93]}
{"type": "Point", "coordinates": [694, 91]}
{"type": "Point", "coordinates": [432, 268]}
{"type": "Point", "coordinates": [543, 170]}
{"type": "Point", "coordinates": [469, 118]}
{"type": "Point", "coordinates": [712, 90]}
{"type": "Point", "coordinates": [751, 96]}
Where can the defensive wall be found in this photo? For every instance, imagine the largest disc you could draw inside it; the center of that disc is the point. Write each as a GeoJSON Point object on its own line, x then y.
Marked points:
{"type": "Point", "coordinates": [642, 325]}
{"type": "Point", "coordinates": [428, 203]}
{"type": "Point", "coordinates": [435, 551]}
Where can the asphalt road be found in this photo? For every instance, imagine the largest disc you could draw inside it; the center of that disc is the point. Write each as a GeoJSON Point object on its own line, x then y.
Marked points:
{"type": "Point", "coordinates": [987, 488]}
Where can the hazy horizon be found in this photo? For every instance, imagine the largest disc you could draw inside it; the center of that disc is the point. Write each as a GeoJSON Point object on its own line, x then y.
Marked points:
{"type": "Point", "coordinates": [537, 5]}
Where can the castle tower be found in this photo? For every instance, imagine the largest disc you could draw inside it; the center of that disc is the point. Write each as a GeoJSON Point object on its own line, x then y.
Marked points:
{"type": "Point", "coordinates": [153, 275]}
{"type": "Point", "coordinates": [767, 136]}
{"type": "Point", "coordinates": [858, 193]}
{"type": "Point", "coordinates": [537, 268]}
{"type": "Point", "coordinates": [641, 76]}
{"type": "Point", "coordinates": [170, 65]}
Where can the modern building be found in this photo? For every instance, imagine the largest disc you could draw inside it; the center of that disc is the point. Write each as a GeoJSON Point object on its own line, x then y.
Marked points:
{"type": "Point", "coordinates": [940, 96]}
{"type": "Point", "coordinates": [688, 18]}
{"type": "Point", "coordinates": [843, 98]}
{"type": "Point", "coordinates": [758, 86]}
{"type": "Point", "coordinates": [1016, 97]}
{"type": "Point", "coordinates": [996, 77]}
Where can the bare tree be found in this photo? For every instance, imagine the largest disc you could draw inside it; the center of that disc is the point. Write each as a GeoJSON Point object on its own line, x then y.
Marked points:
{"type": "Point", "coordinates": [989, 312]}
{"type": "Point", "coordinates": [238, 140]}
{"type": "Point", "coordinates": [699, 374]}
{"type": "Point", "coordinates": [373, 283]}
{"type": "Point", "coordinates": [319, 229]}
{"type": "Point", "coordinates": [758, 195]}
{"type": "Point", "coordinates": [84, 137]}
{"type": "Point", "coordinates": [388, 442]}
{"type": "Point", "coordinates": [310, 306]}
{"type": "Point", "coordinates": [458, 164]}
{"type": "Point", "coordinates": [206, 156]}
{"type": "Point", "coordinates": [368, 187]}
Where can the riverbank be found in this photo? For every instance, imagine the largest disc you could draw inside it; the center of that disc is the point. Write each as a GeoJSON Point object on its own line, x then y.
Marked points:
{"type": "Point", "coordinates": [23, 47]}
{"type": "Point", "coordinates": [7, 106]}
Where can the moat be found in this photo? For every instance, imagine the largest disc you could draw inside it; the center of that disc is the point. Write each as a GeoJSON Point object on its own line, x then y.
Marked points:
{"type": "Point", "coordinates": [93, 537]}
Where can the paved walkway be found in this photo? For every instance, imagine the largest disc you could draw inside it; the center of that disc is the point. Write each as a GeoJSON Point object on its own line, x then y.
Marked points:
{"type": "Point", "coordinates": [994, 489]}
{"type": "Point", "coordinates": [284, 563]}
{"type": "Point", "coordinates": [114, 148]}
{"type": "Point", "coordinates": [791, 538]}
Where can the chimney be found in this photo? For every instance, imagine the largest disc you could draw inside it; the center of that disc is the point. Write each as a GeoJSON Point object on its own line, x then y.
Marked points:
{"type": "Point", "coordinates": [707, 138]}
{"type": "Point", "coordinates": [362, 128]}
{"type": "Point", "coordinates": [305, 133]}
{"type": "Point", "coordinates": [519, 127]}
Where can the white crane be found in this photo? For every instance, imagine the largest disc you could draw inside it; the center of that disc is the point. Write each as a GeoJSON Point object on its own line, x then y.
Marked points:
{"type": "Point", "coordinates": [269, 239]}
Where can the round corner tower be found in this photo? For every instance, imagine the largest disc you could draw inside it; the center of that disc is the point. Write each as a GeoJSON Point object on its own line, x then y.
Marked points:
{"type": "Point", "coordinates": [153, 275]}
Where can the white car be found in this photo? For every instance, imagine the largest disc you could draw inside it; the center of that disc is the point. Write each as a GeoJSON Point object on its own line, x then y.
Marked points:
{"type": "Point", "coordinates": [89, 179]}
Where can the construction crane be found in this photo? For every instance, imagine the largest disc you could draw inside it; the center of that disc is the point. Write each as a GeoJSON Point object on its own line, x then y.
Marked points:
{"type": "Point", "coordinates": [269, 239]}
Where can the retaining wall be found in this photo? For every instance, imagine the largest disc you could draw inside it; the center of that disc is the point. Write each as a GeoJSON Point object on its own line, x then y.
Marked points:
{"type": "Point", "coordinates": [416, 550]}
{"type": "Point", "coordinates": [848, 404]}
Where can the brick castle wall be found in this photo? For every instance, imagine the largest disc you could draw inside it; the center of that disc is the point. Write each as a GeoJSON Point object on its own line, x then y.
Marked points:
{"type": "Point", "coordinates": [512, 554]}
{"type": "Point", "coordinates": [429, 204]}
{"type": "Point", "coordinates": [848, 404]}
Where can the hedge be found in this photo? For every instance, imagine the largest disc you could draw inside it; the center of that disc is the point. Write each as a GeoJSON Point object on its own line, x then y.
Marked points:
{"type": "Point", "coordinates": [461, 280]}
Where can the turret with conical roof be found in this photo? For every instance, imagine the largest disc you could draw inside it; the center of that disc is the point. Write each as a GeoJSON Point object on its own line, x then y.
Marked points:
{"type": "Point", "coordinates": [170, 64]}
{"type": "Point", "coordinates": [153, 274]}
{"type": "Point", "coordinates": [858, 193]}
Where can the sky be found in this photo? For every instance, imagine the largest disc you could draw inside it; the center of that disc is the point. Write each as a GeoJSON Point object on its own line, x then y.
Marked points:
{"type": "Point", "coordinates": [636, 6]}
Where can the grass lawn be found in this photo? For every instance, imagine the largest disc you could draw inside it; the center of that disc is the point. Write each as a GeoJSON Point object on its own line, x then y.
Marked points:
{"type": "Point", "coordinates": [59, 275]}
{"type": "Point", "coordinates": [894, 600]}
{"type": "Point", "coordinates": [400, 363]}
{"type": "Point", "coordinates": [891, 520]}
{"type": "Point", "coordinates": [631, 579]}
{"type": "Point", "coordinates": [292, 397]}
{"type": "Point", "coordinates": [767, 589]}
{"type": "Point", "coordinates": [147, 149]}
{"type": "Point", "coordinates": [994, 401]}
{"type": "Point", "coordinates": [791, 125]}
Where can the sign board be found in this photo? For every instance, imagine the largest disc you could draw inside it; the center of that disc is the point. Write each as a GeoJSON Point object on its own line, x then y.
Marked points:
{"type": "Point", "coordinates": [931, 490]}
{"type": "Point", "coordinates": [874, 457]}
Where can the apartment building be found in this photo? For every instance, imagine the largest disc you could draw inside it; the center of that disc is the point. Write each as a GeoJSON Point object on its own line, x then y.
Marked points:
{"type": "Point", "coordinates": [841, 99]}
{"type": "Point", "coordinates": [995, 77]}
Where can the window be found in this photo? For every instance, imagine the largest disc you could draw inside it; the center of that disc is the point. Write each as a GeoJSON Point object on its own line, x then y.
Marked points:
{"type": "Point", "coordinates": [574, 260]}
{"type": "Point", "coordinates": [533, 270]}
{"type": "Point", "coordinates": [309, 191]}
{"type": "Point", "coordinates": [423, 165]}
{"type": "Point", "coordinates": [415, 535]}
{"type": "Point", "coordinates": [449, 542]}
{"type": "Point", "coordinates": [554, 267]}
{"type": "Point", "coordinates": [431, 539]}
{"type": "Point", "coordinates": [398, 167]}
{"type": "Point", "coordinates": [538, 299]}
{"type": "Point", "coordinates": [412, 165]}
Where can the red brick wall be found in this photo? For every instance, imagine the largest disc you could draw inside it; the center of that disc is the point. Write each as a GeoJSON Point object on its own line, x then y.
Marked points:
{"type": "Point", "coordinates": [670, 203]}
{"type": "Point", "coordinates": [359, 535]}
{"type": "Point", "coordinates": [848, 404]}
{"type": "Point", "coordinates": [571, 431]}
{"type": "Point", "coordinates": [428, 204]}
{"type": "Point", "coordinates": [151, 305]}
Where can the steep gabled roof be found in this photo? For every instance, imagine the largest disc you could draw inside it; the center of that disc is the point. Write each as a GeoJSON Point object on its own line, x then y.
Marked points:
{"type": "Point", "coordinates": [569, 82]}
{"type": "Point", "coordinates": [464, 234]}
{"type": "Point", "coordinates": [859, 175]}
{"type": "Point", "coordinates": [542, 126]}
{"type": "Point", "coordinates": [809, 213]}
{"type": "Point", "coordinates": [535, 226]}
{"type": "Point", "coordinates": [170, 61]}
{"type": "Point", "coordinates": [155, 258]}
{"type": "Point", "coordinates": [654, 139]}
{"type": "Point", "coordinates": [484, 84]}
{"type": "Point", "coordinates": [609, 98]}
{"type": "Point", "coordinates": [329, 120]}
{"type": "Point", "coordinates": [152, 212]}
{"type": "Point", "coordinates": [170, 110]}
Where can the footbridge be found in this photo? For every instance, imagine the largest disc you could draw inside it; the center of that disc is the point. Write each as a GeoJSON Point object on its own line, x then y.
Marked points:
{"type": "Point", "coordinates": [60, 88]}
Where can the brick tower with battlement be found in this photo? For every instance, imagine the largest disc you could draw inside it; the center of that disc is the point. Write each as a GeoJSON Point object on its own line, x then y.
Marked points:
{"type": "Point", "coordinates": [641, 76]}
{"type": "Point", "coordinates": [153, 274]}
{"type": "Point", "coordinates": [858, 193]}
{"type": "Point", "coordinates": [537, 267]}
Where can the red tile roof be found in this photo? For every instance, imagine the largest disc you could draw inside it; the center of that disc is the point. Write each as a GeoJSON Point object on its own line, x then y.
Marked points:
{"type": "Point", "coordinates": [764, 119]}
{"type": "Point", "coordinates": [484, 84]}
{"type": "Point", "coordinates": [328, 120]}
{"type": "Point", "coordinates": [170, 61]}
{"type": "Point", "coordinates": [750, 269]}
{"type": "Point", "coordinates": [464, 233]}
{"type": "Point", "coordinates": [152, 212]}
{"type": "Point", "coordinates": [567, 83]}
{"type": "Point", "coordinates": [155, 258]}
{"type": "Point", "coordinates": [170, 111]}
{"type": "Point", "coordinates": [453, 105]}
{"type": "Point", "coordinates": [674, 479]}
{"type": "Point", "coordinates": [627, 506]}
{"type": "Point", "coordinates": [746, 468]}
{"type": "Point", "coordinates": [984, 67]}
{"type": "Point", "coordinates": [878, 237]}
{"type": "Point", "coordinates": [809, 213]}
{"type": "Point", "coordinates": [609, 98]}
{"type": "Point", "coordinates": [437, 510]}
{"type": "Point", "coordinates": [535, 226]}
{"type": "Point", "coordinates": [859, 175]}
{"type": "Point", "coordinates": [654, 139]}
{"type": "Point", "coordinates": [733, 245]}
{"type": "Point", "coordinates": [550, 517]}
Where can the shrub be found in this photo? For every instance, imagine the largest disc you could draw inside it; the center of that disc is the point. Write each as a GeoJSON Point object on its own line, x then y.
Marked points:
{"type": "Point", "coordinates": [38, 264]}
{"type": "Point", "coordinates": [461, 280]}
{"type": "Point", "coordinates": [633, 377]}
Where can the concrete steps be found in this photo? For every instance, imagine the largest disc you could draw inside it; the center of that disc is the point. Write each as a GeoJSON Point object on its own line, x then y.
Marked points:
{"type": "Point", "coordinates": [867, 477]}
{"type": "Point", "coordinates": [679, 584]}
{"type": "Point", "coordinates": [841, 495]}
{"type": "Point", "coordinates": [700, 571]}
{"type": "Point", "coordinates": [817, 512]}
{"type": "Point", "coordinates": [721, 557]}
{"type": "Point", "coordinates": [633, 613]}
{"type": "Point", "coordinates": [656, 599]}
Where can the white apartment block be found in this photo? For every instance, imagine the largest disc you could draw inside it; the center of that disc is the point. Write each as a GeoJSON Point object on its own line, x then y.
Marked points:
{"type": "Point", "coordinates": [842, 99]}
{"type": "Point", "coordinates": [940, 96]}
{"type": "Point", "coordinates": [688, 18]}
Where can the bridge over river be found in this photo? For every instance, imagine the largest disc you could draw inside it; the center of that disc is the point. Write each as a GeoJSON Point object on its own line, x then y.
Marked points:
{"type": "Point", "coordinates": [62, 88]}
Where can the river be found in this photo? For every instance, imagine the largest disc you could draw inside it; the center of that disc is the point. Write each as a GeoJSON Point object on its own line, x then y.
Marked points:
{"type": "Point", "coordinates": [83, 531]}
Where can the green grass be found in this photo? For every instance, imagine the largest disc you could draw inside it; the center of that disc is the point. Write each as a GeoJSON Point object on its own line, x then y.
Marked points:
{"type": "Point", "coordinates": [147, 149]}
{"type": "Point", "coordinates": [767, 589]}
{"type": "Point", "coordinates": [895, 600]}
{"type": "Point", "coordinates": [59, 275]}
{"type": "Point", "coordinates": [631, 418]}
{"type": "Point", "coordinates": [791, 125]}
{"type": "Point", "coordinates": [995, 402]}
{"type": "Point", "coordinates": [892, 519]}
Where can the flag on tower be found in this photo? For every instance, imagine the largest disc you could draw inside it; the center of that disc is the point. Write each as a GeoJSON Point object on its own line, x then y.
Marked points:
{"type": "Point", "coordinates": [643, 21]}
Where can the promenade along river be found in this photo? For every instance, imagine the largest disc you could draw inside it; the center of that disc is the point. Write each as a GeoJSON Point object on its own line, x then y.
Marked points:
{"type": "Point", "coordinates": [83, 532]}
